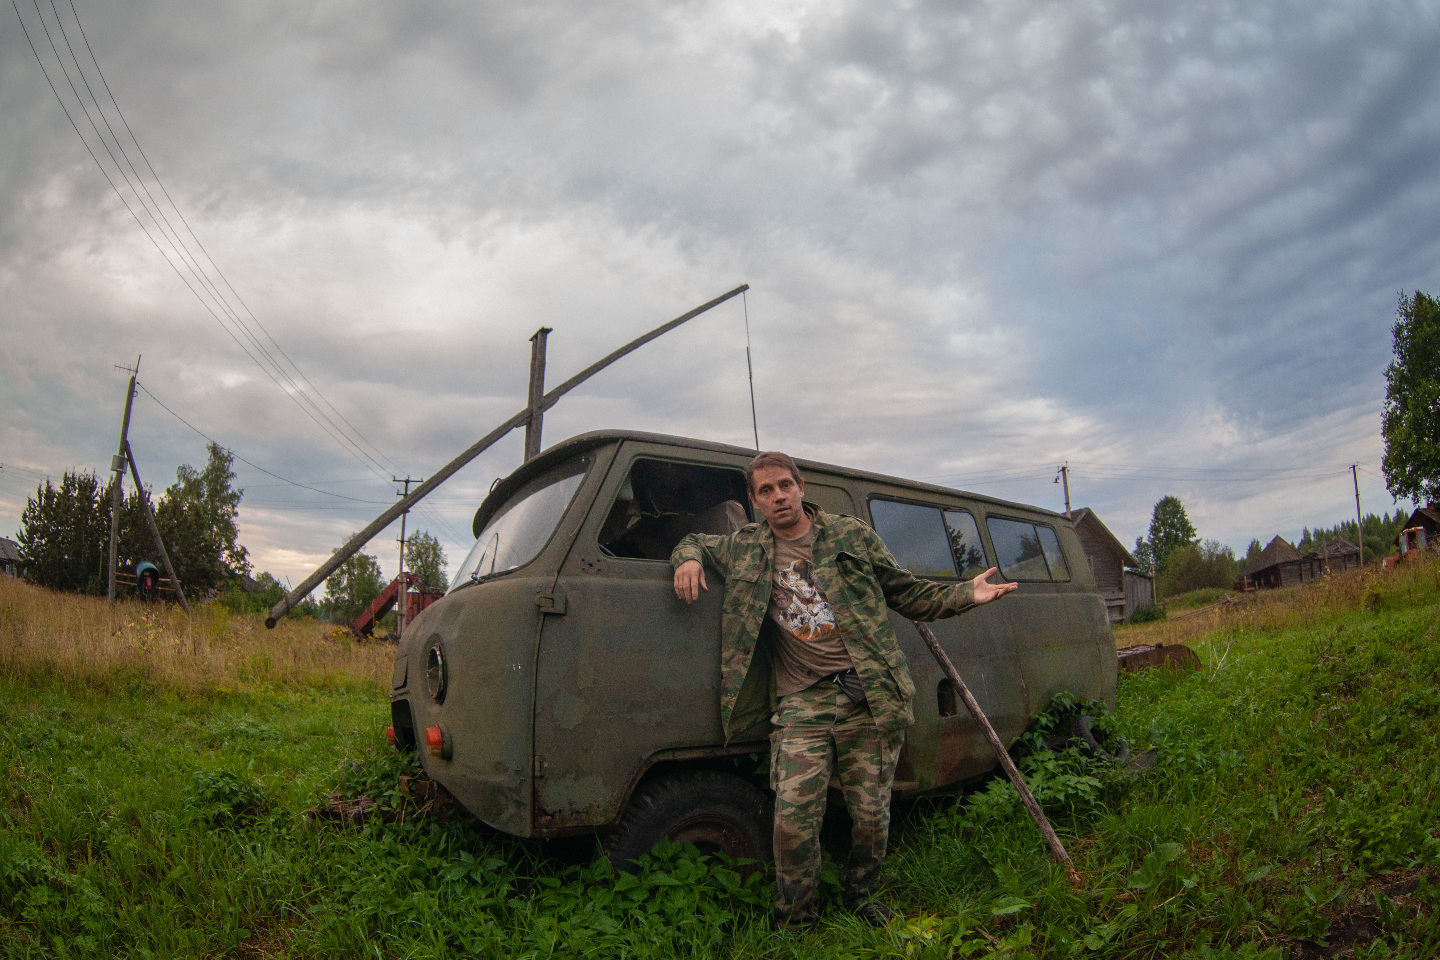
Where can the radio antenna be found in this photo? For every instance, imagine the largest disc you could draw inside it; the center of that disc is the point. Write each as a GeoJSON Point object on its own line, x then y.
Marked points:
{"type": "Point", "coordinates": [750, 367]}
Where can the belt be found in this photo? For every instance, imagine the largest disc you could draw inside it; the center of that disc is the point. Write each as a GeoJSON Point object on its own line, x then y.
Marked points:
{"type": "Point", "coordinates": [849, 683]}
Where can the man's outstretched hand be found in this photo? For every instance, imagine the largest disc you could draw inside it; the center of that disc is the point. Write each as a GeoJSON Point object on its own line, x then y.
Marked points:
{"type": "Point", "coordinates": [984, 592]}
{"type": "Point", "coordinates": [690, 580]}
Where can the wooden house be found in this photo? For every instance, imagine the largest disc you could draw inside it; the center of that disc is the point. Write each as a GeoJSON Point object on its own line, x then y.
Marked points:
{"type": "Point", "coordinates": [1422, 530]}
{"type": "Point", "coordinates": [1280, 565]}
{"type": "Point", "coordinates": [1122, 588]}
{"type": "Point", "coordinates": [1338, 554]}
{"type": "Point", "coordinates": [11, 563]}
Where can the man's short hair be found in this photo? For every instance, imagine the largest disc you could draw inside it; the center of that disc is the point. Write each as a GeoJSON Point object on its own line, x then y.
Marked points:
{"type": "Point", "coordinates": [770, 458]}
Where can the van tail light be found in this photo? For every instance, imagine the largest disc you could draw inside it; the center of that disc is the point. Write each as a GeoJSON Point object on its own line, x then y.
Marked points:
{"type": "Point", "coordinates": [437, 742]}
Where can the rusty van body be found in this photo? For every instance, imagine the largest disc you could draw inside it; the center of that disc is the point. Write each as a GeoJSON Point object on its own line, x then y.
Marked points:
{"type": "Point", "coordinates": [560, 687]}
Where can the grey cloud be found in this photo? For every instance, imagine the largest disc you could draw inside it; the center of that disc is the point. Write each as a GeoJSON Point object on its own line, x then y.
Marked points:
{"type": "Point", "coordinates": [1027, 230]}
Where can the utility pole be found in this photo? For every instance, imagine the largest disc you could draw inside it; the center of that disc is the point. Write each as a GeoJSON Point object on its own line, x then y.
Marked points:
{"type": "Point", "coordinates": [154, 530]}
{"type": "Point", "coordinates": [1064, 477]}
{"type": "Point", "coordinates": [400, 607]}
{"type": "Point", "coordinates": [536, 397]}
{"type": "Point", "coordinates": [1359, 524]}
{"type": "Point", "coordinates": [117, 463]}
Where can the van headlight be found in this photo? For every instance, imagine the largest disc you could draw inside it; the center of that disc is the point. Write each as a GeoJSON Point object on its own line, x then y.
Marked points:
{"type": "Point", "coordinates": [435, 673]}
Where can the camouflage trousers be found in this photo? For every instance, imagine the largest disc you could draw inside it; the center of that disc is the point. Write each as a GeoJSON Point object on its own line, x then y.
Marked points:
{"type": "Point", "coordinates": [820, 737]}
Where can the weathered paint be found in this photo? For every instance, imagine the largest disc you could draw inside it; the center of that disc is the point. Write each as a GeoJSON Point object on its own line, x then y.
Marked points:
{"type": "Point", "coordinates": [560, 698]}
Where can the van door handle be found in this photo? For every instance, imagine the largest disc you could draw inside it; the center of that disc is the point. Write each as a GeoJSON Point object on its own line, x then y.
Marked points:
{"type": "Point", "coordinates": [553, 602]}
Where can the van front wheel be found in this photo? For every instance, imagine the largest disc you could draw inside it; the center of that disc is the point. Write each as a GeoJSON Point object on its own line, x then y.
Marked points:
{"type": "Point", "coordinates": [717, 812]}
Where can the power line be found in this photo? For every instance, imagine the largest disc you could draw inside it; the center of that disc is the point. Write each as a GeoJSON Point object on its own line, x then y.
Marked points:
{"type": "Point", "coordinates": [190, 230]}
{"type": "Point", "coordinates": [1167, 474]}
{"type": "Point", "coordinates": [430, 514]}
{"type": "Point", "coordinates": [208, 293]}
{"type": "Point", "coordinates": [38, 475]}
{"type": "Point", "coordinates": [268, 473]}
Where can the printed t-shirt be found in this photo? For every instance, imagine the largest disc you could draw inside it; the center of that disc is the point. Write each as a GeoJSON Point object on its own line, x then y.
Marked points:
{"type": "Point", "coordinates": [808, 646]}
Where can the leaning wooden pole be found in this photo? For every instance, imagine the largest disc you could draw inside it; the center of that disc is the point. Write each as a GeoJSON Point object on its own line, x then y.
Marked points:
{"type": "Point", "coordinates": [155, 529]}
{"type": "Point", "coordinates": [117, 498]}
{"type": "Point", "coordinates": [480, 446]}
{"type": "Point", "coordinates": [1057, 849]}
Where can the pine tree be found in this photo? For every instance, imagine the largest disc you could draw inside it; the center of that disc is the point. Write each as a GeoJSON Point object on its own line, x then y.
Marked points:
{"type": "Point", "coordinates": [1170, 529]}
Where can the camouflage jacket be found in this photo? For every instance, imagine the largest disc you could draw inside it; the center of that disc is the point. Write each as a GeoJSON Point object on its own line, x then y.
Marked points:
{"type": "Point", "coordinates": [860, 579]}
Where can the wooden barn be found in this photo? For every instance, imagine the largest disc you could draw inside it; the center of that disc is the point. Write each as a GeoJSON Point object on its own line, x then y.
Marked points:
{"type": "Point", "coordinates": [1280, 565]}
{"type": "Point", "coordinates": [1122, 589]}
{"type": "Point", "coordinates": [1338, 554]}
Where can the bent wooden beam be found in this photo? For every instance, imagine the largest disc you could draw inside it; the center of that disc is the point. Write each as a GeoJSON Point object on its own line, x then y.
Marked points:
{"type": "Point", "coordinates": [477, 448]}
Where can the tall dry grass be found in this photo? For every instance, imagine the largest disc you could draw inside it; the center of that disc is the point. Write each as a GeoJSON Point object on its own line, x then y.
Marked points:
{"type": "Point", "coordinates": [83, 639]}
{"type": "Point", "coordinates": [1305, 605]}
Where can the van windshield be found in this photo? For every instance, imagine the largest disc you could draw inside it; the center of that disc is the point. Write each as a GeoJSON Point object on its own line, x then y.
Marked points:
{"type": "Point", "coordinates": [521, 528]}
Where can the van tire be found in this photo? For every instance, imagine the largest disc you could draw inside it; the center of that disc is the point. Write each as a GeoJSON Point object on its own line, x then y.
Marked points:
{"type": "Point", "coordinates": [1095, 748]}
{"type": "Point", "coordinates": [717, 812]}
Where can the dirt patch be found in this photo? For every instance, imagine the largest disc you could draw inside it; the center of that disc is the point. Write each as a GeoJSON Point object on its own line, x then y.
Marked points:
{"type": "Point", "coordinates": [1358, 922]}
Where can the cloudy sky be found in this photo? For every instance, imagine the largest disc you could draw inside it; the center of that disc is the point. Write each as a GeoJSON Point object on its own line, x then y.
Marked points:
{"type": "Point", "coordinates": [1158, 241]}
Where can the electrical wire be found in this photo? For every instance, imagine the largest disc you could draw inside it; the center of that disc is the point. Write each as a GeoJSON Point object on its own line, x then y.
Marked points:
{"type": "Point", "coordinates": [433, 516]}
{"type": "Point", "coordinates": [1176, 474]}
{"type": "Point", "coordinates": [250, 463]}
{"type": "Point", "coordinates": [190, 230]}
{"type": "Point", "coordinates": [10, 467]}
{"type": "Point", "coordinates": [208, 292]}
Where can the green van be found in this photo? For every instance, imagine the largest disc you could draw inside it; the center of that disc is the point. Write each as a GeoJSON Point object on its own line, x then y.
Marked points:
{"type": "Point", "coordinates": [561, 688]}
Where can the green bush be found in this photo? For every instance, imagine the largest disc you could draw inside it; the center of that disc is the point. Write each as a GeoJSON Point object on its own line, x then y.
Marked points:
{"type": "Point", "coordinates": [1149, 613]}
{"type": "Point", "coordinates": [221, 798]}
{"type": "Point", "coordinates": [1194, 567]}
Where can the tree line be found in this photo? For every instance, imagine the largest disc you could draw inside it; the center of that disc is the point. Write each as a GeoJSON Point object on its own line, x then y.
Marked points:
{"type": "Point", "coordinates": [65, 530]}
{"type": "Point", "coordinates": [64, 536]}
{"type": "Point", "coordinates": [1183, 562]}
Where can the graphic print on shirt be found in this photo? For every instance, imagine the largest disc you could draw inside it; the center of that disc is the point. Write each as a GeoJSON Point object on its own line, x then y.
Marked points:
{"type": "Point", "coordinates": [800, 607]}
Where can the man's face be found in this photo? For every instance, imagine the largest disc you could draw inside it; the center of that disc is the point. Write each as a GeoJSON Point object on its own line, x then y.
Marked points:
{"type": "Point", "coordinates": [777, 494]}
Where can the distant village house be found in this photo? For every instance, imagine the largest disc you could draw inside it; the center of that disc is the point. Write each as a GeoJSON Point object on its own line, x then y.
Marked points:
{"type": "Point", "coordinates": [1421, 531]}
{"type": "Point", "coordinates": [1280, 564]}
{"type": "Point", "coordinates": [11, 563]}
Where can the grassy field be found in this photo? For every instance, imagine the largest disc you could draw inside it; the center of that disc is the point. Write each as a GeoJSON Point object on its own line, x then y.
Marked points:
{"type": "Point", "coordinates": [158, 771]}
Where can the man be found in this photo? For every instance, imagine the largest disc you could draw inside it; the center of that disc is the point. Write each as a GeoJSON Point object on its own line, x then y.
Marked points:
{"type": "Point", "coordinates": [807, 641]}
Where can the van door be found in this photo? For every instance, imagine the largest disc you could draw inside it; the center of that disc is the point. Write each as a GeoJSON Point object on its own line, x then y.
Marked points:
{"type": "Point", "coordinates": [628, 670]}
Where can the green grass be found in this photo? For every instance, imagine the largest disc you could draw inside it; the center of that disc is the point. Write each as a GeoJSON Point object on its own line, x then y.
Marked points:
{"type": "Point", "coordinates": [1294, 792]}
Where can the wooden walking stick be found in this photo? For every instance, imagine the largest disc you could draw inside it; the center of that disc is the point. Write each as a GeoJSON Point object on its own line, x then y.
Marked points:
{"type": "Point", "coordinates": [1057, 850]}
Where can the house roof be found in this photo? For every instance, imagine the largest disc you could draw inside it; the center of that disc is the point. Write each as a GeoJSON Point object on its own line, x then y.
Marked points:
{"type": "Point", "coordinates": [1278, 551]}
{"type": "Point", "coordinates": [1337, 547]}
{"type": "Point", "coordinates": [10, 551]}
{"type": "Point", "coordinates": [1086, 516]}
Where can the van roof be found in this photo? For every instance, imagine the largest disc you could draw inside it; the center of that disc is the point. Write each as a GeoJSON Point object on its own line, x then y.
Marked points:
{"type": "Point", "coordinates": [566, 449]}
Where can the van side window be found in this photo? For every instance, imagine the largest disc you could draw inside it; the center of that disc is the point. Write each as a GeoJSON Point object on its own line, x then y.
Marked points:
{"type": "Point", "coordinates": [916, 535]}
{"type": "Point", "coordinates": [965, 542]}
{"type": "Point", "coordinates": [660, 502]}
{"type": "Point", "coordinates": [1051, 543]}
{"type": "Point", "coordinates": [1027, 551]}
